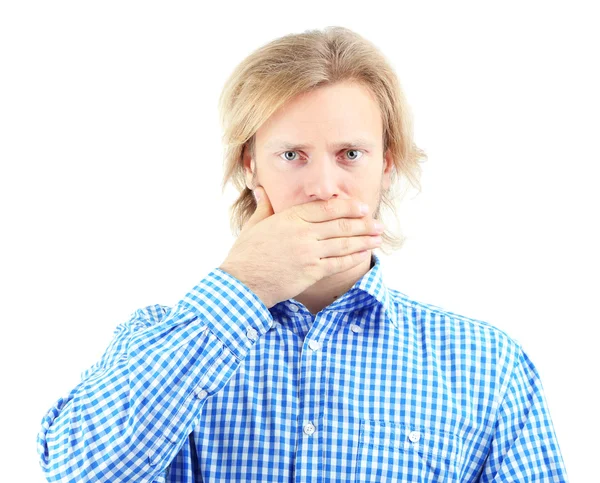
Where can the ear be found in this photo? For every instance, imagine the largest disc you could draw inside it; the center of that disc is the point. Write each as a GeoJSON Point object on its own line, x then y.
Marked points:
{"type": "Point", "coordinates": [248, 166]}
{"type": "Point", "coordinates": [388, 167]}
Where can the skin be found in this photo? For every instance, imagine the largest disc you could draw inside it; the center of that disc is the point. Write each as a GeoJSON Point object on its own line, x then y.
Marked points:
{"type": "Point", "coordinates": [310, 192]}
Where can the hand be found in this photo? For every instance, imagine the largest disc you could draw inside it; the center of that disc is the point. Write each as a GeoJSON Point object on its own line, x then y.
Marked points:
{"type": "Point", "coordinates": [278, 256]}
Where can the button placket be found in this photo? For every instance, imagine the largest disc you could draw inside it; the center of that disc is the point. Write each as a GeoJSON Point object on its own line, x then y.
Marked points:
{"type": "Point", "coordinates": [313, 359]}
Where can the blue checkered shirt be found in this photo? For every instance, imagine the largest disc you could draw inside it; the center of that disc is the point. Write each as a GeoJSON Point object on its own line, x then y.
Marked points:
{"type": "Point", "coordinates": [375, 387]}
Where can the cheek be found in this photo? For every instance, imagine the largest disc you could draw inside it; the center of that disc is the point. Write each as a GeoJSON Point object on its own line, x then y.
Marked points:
{"type": "Point", "coordinates": [280, 195]}
{"type": "Point", "coordinates": [369, 190]}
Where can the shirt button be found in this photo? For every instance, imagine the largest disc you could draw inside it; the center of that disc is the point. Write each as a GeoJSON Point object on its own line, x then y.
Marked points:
{"type": "Point", "coordinates": [314, 345]}
{"type": "Point", "coordinates": [252, 334]}
{"type": "Point", "coordinates": [293, 308]}
{"type": "Point", "coordinates": [309, 428]}
{"type": "Point", "coordinates": [201, 394]}
{"type": "Point", "coordinates": [355, 328]}
{"type": "Point", "coordinates": [414, 436]}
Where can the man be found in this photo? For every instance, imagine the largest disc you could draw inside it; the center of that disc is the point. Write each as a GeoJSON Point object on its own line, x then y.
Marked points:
{"type": "Point", "coordinates": [292, 361]}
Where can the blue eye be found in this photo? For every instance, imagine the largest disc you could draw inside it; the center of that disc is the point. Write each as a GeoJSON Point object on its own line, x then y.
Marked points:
{"type": "Point", "coordinates": [355, 151]}
{"type": "Point", "coordinates": [352, 158]}
{"type": "Point", "coordinates": [286, 158]}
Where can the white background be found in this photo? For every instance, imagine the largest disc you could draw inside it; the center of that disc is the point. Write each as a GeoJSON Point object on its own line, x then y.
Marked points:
{"type": "Point", "coordinates": [110, 150]}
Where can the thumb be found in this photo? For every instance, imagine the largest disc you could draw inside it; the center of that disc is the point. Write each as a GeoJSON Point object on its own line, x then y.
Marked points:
{"type": "Point", "coordinates": [263, 207]}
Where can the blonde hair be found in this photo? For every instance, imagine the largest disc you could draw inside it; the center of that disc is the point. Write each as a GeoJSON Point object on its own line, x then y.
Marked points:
{"type": "Point", "coordinates": [298, 63]}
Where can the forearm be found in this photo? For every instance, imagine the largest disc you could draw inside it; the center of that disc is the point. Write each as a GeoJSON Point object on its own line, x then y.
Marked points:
{"type": "Point", "coordinates": [127, 419]}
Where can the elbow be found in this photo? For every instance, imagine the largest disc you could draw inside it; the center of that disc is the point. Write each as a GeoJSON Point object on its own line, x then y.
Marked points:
{"type": "Point", "coordinates": [57, 443]}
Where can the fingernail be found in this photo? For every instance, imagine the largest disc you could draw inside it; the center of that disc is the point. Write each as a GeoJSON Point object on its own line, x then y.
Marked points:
{"type": "Point", "coordinates": [364, 208]}
{"type": "Point", "coordinates": [378, 226]}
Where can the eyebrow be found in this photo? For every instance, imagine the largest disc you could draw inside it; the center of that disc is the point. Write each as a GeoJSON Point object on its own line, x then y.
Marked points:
{"type": "Point", "coordinates": [357, 143]}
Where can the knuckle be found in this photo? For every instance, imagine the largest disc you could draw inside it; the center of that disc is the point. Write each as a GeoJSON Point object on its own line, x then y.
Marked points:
{"type": "Point", "coordinates": [329, 207]}
{"type": "Point", "coordinates": [330, 265]}
{"type": "Point", "coordinates": [345, 225]}
{"type": "Point", "coordinates": [314, 268]}
{"type": "Point", "coordinates": [345, 244]}
{"type": "Point", "coordinates": [294, 213]}
{"type": "Point", "coordinates": [311, 262]}
{"type": "Point", "coordinates": [339, 262]}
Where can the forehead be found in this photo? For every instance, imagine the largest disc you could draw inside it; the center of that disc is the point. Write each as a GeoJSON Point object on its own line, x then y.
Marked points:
{"type": "Point", "coordinates": [328, 114]}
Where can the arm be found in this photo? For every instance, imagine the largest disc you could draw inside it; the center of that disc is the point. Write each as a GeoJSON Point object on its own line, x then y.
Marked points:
{"type": "Point", "coordinates": [132, 411]}
{"type": "Point", "coordinates": [524, 445]}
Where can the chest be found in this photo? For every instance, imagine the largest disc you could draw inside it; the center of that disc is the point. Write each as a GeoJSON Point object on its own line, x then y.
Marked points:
{"type": "Point", "coordinates": [339, 400]}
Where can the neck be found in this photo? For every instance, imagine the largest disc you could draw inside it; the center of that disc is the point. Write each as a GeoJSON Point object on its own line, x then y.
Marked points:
{"type": "Point", "coordinates": [329, 289]}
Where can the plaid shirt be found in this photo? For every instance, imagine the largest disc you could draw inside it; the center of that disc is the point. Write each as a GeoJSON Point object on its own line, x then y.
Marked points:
{"type": "Point", "coordinates": [375, 387]}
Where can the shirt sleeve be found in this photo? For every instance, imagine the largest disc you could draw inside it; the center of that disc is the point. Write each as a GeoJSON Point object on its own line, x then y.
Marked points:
{"type": "Point", "coordinates": [524, 445]}
{"type": "Point", "coordinates": [134, 409]}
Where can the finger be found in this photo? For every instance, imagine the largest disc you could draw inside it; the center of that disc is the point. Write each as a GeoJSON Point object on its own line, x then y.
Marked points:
{"type": "Point", "coordinates": [333, 265]}
{"type": "Point", "coordinates": [321, 210]}
{"type": "Point", "coordinates": [338, 247]}
{"type": "Point", "coordinates": [345, 227]}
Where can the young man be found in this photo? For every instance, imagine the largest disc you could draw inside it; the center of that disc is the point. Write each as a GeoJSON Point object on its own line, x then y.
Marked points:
{"type": "Point", "coordinates": [292, 361]}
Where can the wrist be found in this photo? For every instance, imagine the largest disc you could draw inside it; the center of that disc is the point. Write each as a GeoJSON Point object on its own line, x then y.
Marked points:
{"type": "Point", "coordinates": [247, 281]}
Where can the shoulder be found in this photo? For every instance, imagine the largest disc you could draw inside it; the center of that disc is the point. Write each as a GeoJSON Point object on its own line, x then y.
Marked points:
{"type": "Point", "coordinates": [455, 336]}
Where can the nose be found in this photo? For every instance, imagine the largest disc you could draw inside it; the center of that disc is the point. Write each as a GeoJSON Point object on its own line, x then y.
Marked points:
{"type": "Point", "coordinates": [321, 182]}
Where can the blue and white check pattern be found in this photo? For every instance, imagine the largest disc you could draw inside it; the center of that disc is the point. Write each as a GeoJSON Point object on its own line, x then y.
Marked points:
{"type": "Point", "coordinates": [376, 387]}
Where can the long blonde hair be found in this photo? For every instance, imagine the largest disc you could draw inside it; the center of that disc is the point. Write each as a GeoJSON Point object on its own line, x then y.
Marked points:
{"type": "Point", "coordinates": [297, 63]}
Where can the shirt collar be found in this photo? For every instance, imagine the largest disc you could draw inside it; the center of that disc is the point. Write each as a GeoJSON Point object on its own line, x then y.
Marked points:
{"type": "Point", "coordinates": [368, 291]}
